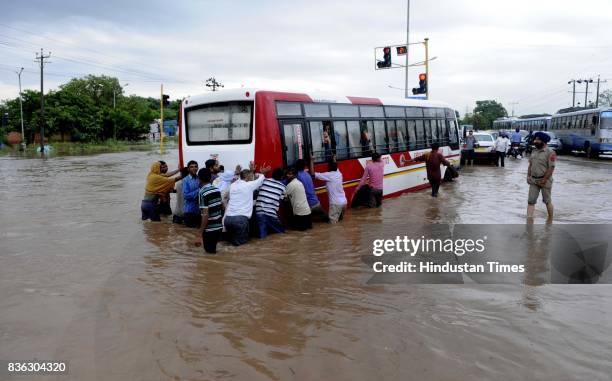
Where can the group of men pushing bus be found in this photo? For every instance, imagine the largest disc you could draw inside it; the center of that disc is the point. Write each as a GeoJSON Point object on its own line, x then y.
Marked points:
{"type": "Point", "coordinates": [215, 200]}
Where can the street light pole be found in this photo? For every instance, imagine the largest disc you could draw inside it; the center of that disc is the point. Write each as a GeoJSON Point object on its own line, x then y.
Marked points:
{"type": "Point", "coordinates": [407, 44]}
{"type": "Point", "coordinates": [23, 139]}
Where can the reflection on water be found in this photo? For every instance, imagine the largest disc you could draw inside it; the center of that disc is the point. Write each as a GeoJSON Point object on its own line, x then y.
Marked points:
{"type": "Point", "coordinates": [84, 279]}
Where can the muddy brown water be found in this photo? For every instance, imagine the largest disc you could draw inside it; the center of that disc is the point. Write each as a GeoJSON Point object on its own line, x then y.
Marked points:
{"type": "Point", "coordinates": [83, 280]}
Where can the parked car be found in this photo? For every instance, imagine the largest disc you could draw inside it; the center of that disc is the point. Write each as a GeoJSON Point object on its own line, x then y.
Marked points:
{"type": "Point", "coordinates": [483, 149]}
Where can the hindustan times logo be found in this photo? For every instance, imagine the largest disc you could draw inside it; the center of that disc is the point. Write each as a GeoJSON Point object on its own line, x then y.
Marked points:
{"type": "Point", "coordinates": [412, 247]}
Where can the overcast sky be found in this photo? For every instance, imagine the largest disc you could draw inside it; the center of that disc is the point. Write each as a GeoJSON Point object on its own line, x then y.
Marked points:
{"type": "Point", "coordinates": [521, 51]}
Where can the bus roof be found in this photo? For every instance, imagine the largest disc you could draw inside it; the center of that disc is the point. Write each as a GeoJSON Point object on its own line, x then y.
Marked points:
{"type": "Point", "coordinates": [585, 111]}
{"type": "Point", "coordinates": [249, 94]}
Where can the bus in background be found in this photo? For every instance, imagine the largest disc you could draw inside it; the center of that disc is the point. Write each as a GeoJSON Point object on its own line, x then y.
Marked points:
{"type": "Point", "coordinates": [587, 130]}
{"type": "Point", "coordinates": [278, 128]}
{"type": "Point", "coordinates": [538, 123]}
{"type": "Point", "coordinates": [504, 123]}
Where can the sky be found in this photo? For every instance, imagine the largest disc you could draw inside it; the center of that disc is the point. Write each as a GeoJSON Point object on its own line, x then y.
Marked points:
{"type": "Point", "coordinates": [521, 53]}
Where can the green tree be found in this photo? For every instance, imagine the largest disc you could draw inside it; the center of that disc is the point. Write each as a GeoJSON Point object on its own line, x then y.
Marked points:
{"type": "Point", "coordinates": [83, 110]}
{"type": "Point", "coordinates": [605, 98]}
{"type": "Point", "coordinates": [486, 112]}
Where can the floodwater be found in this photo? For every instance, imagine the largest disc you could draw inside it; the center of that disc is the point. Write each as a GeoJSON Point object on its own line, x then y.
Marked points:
{"type": "Point", "coordinates": [83, 280]}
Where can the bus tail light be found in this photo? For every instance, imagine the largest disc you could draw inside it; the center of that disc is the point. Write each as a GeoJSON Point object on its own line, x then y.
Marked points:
{"type": "Point", "coordinates": [248, 94]}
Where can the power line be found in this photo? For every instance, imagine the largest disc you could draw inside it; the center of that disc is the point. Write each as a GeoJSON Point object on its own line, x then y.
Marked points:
{"type": "Point", "coordinates": [98, 64]}
{"type": "Point", "coordinates": [72, 46]}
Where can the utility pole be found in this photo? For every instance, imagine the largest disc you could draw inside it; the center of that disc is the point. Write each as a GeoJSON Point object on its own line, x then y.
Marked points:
{"type": "Point", "coordinates": [41, 57]}
{"type": "Point", "coordinates": [23, 139]}
{"type": "Point", "coordinates": [573, 82]}
{"type": "Point", "coordinates": [407, 44]}
{"type": "Point", "coordinates": [513, 104]}
{"type": "Point", "coordinates": [598, 82]}
{"type": "Point", "coordinates": [586, 93]}
{"type": "Point", "coordinates": [213, 84]}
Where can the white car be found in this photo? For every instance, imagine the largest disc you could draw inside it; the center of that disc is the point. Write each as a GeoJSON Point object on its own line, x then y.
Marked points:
{"type": "Point", "coordinates": [484, 149]}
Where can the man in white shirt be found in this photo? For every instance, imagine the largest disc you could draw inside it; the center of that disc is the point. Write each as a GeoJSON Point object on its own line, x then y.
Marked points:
{"type": "Point", "coordinates": [335, 191]}
{"type": "Point", "coordinates": [301, 219]}
{"type": "Point", "coordinates": [501, 147]}
{"type": "Point", "coordinates": [240, 205]}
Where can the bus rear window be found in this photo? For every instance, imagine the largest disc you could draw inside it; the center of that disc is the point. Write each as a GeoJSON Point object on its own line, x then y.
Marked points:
{"type": "Point", "coordinates": [219, 123]}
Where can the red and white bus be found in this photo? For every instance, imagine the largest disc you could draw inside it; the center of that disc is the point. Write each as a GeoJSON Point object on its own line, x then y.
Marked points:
{"type": "Point", "coordinates": [277, 128]}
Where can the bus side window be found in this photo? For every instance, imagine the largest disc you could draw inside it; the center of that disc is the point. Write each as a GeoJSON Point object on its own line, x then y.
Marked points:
{"type": "Point", "coordinates": [355, 147]}
{"type": "Point", "coordinates": [412, 139]}
{"type": "Point", "coordinates": [320, 148]}
{"type": "Point", "coordinates": [294, 142]}
{"type": "Point", "coordinates": [340, 138]}
{"type": "Point", "coordinates": [402, 136]}
{"type": "Point", "coordinates": [392, 131]}
{"type": "Point", "coordinates": [453, 139]}
{"type": "Point", "coordinates": [421, 140]}
{"type": "Point", "coordinates": [367, 137]}
{"type": "Point", "coordinates": [428, 135]}
{"type": "Point", "coordinates": [380, 136]}
{"type": "Point", "coordinates": [442, 133]}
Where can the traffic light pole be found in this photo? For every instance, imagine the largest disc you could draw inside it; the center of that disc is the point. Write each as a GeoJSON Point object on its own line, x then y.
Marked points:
{"type": "Point", "coordinates": [161, 120]}
{"type": "Point", "coordinates": [427, 66]}
{"type": "Point", "coordinates": [407, 45]}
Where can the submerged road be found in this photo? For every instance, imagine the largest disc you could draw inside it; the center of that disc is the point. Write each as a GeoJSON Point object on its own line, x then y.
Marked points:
{"type": "Point", "coordinates": [83, 280]}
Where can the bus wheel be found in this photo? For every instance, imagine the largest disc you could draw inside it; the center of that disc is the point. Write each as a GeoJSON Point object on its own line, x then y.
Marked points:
{"type": "Point", "coordinates": [590, 152]}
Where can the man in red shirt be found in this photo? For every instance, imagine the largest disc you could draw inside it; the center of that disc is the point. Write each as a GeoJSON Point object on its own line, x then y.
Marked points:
{"type": "Point", "coordinates": [433, 160]}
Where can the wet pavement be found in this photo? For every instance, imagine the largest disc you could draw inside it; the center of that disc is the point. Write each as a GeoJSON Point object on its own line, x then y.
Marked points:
{"type": "Point", "coordinates": [83, 280]}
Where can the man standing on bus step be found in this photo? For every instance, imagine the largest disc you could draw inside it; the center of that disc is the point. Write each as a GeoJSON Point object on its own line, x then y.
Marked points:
{"type": "Point", "coordinates": [301, 219]}
{"type": "Point", "coordinates": [539, 174]}
{"type": "Point", "coordinates": [470, 143]}
{"type": "Point", "coordinates": [500, 147]}
{"type": "Point", "coordinates": [240, 206]}
{"type": "Point", "coordinates": [374, 173]}
{"type": "Point", "coordinates": [306, 179]}
{"type": "Point", "coordinates": [212, 210]}
{"type": "Point", "coordinates": [269, 196]}
{"type": "Point", "coordinates": [191, 188]}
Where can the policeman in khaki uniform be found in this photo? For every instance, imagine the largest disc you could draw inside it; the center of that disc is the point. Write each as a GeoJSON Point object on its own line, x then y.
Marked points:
{"type": "Point", "coordinates": [539, 175]}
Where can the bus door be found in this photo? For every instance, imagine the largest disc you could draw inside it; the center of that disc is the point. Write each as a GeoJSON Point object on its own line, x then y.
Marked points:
{"type": "Point", "coordinates": [294, 141]}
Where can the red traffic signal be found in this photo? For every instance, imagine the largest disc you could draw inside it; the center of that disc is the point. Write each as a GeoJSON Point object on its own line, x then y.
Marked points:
{"type": "Point", "coordinates": [386, 62]}
{"type": "Point", "coordinates": [401, 50]}
{"type": "Point", "coordinates": [422, 89]}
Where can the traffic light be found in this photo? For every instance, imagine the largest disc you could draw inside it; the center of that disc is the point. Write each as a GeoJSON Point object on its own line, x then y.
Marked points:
{"type": "Point", "coordinates": [386, 62]}
{"type": "Point", "coordinates": [422, 89]}
{"type": "Point", "coordinates": [166, 100]}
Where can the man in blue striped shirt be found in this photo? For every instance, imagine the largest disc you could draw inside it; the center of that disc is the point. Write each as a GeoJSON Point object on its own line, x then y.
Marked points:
{"type": "Point", "coordinates": [271, 192]}
{"type": "Point", "coordinates": [212, 212]}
